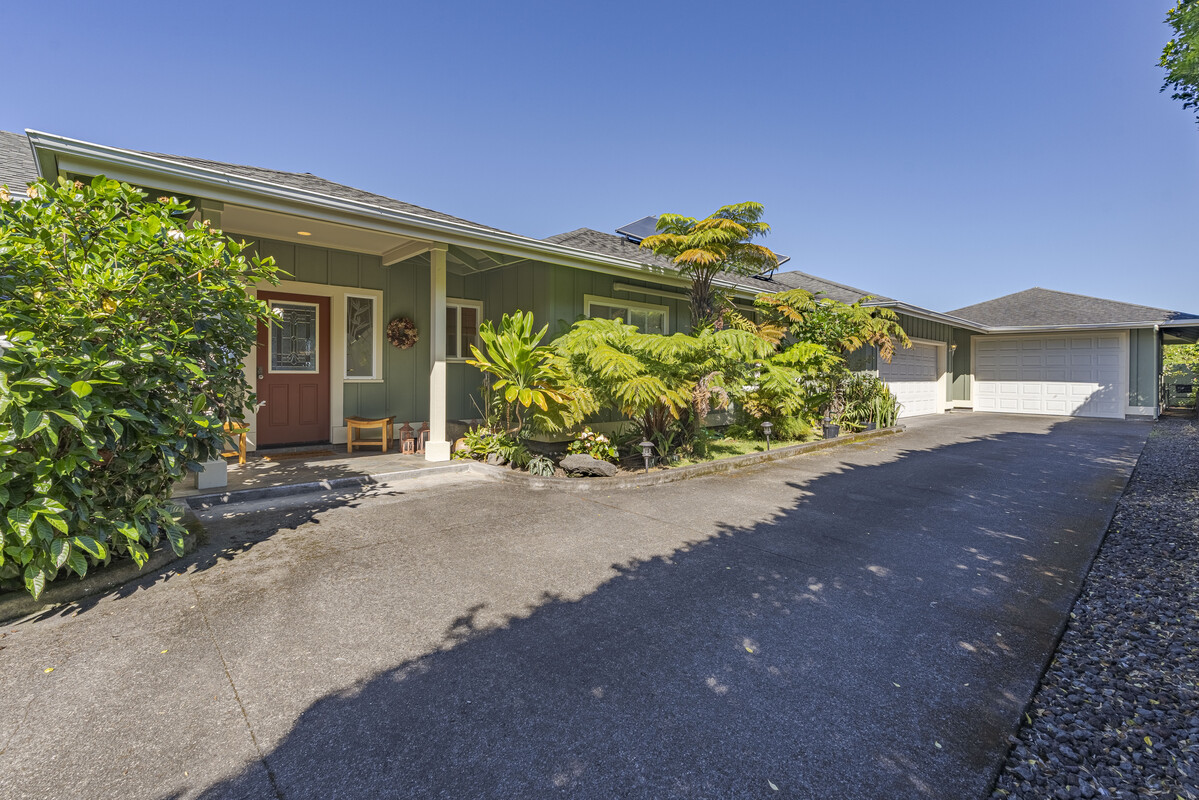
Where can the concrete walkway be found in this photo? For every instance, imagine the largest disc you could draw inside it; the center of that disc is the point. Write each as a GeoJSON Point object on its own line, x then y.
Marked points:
{"type": "Point", "coordinates": [862, 622]}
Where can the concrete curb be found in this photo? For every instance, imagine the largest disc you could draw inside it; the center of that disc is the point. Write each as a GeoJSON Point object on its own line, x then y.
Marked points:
{"type": "Point", "coordinates": [19, 604]}
{"type": "Point", "coordinates": [352, 482]}
{"type": "Point", "coordinates": [680, 473]}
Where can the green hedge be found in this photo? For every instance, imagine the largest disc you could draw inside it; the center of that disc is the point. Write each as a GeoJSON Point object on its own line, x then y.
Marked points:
{"type": "Point", "coordinates": [123, 327]}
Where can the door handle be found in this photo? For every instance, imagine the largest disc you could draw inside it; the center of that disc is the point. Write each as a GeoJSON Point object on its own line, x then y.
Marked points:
{"type": "Point", "coordinates": [260, 375]}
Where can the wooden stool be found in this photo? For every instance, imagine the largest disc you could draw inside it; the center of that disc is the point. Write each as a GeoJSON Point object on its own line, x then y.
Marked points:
{"type": "Point", "coordinates": [238, 433]}
{"type": "Point", "coordinates": [384, 425]}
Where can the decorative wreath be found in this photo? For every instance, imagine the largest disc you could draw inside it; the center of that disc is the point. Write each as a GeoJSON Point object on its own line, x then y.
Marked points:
{"type": "Point", "coordinates": [402, 333]}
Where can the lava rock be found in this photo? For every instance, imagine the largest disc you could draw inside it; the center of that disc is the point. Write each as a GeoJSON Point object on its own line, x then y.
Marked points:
{"type": "Point", "coordinates": [579, 464]}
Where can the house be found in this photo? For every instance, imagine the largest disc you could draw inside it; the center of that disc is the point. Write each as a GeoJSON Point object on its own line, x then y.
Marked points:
{"type": "Point", "coordinates": [358, 260]}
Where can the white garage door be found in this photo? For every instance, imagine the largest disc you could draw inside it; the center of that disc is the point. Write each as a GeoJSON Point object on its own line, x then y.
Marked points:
{"type": "Point", "coordinates": [912, 378]}
{"type": "Point", "coordinates": [1066, 375]}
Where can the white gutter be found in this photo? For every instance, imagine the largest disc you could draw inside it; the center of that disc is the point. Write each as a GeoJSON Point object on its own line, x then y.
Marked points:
{"type": "Point", "coordinates": [1093, 327]}
{"type": "Point", "coordinates": [75, 155]}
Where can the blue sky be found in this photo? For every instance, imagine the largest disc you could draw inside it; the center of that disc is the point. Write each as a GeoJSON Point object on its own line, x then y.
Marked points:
{"type": "Point", "coordinates": [939, 152]}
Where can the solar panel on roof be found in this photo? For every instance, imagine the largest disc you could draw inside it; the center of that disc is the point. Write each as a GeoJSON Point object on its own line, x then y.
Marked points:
{"type": "Point", "coordinates": [636, 231]}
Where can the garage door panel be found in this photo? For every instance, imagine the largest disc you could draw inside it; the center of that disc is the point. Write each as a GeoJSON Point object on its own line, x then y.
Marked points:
{"type": "Point", "coordinates": [912, 377]}
{"type": "Point", "coordinates": [1063, 375]}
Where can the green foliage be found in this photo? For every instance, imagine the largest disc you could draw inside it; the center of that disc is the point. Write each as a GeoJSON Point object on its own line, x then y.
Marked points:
{"type": "Point", "coordinates": [123, 332]}
{"type": "Point", "coordinates": [526, 375]}
{"type": "Point", "coordinates": [837, 326]}
{"type": "Point", "coordinates": [865, 398]}
{"type": "Point", "coordinates": [542, 466]}
{"type": "Point", "coordinates": [1182, 355]}
{"type": "Point", "coordinates": [704, 248]}
{"type": "Point", "coordinates": [840, 328]}
{"type": "Point", "coordinates": [664, 384]}
{"type": "Point", "coordinates": [483, 441]}
{"type": "Point", "coordinates": [593, 444]}
{"type": "Point", "coordinates": [1180, 57]}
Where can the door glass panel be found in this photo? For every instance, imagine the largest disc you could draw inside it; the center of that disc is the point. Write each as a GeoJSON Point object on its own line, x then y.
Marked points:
{"type": "Point", "coordinates": [360, 337]}
{"type": "Point", "coordinates": [293, 338]}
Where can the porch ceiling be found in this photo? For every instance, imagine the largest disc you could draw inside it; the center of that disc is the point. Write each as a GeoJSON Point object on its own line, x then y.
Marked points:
{"type": "Point", "coordinates": [1180, 335]}
{"type": "Point", "coordinates": [287, 227]}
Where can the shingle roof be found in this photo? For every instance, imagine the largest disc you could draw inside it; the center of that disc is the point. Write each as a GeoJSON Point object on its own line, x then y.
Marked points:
{"type": "Point", "coordinates": [613, 245]}
{"type": "Point", "coordinates": [312, 183]}
{"type": "Point", "coordinates": [1037, 306]}
{"type": "Point", "coordinates": [794, 279]}
{"type": "Point", "coordinates": [17, 167]}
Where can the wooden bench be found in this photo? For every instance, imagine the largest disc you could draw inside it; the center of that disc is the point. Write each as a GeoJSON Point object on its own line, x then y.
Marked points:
{"type": "Point", "coordinates": [383, 424]}
{"type": "Point", "coordinates": [236, 432]}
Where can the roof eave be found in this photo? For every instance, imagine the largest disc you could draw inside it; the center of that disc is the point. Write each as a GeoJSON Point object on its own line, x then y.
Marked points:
{"type": "Point", "coordinates": [924, 313]}
{"type": "Point", "coordinates": [56, 154]}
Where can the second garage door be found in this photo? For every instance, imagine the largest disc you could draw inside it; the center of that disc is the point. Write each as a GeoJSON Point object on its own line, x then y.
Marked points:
{"type": "Point", "coordinates": [912, 377]}
{"type": "Point", "coordinates": [1066, 375]}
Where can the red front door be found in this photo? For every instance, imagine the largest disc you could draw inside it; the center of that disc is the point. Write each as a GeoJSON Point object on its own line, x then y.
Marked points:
{"type": "Point", "coordinates": [293, 370]}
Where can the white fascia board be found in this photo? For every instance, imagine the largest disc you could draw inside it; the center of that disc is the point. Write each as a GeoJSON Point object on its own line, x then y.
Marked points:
{"type": "Point", "coordinates": [1061, 328]}
{"type": "Point", "coordinates": [74, 155]}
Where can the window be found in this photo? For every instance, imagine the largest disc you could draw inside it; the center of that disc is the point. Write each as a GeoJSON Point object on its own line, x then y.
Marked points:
{"type": "Point", "coordinates": [293, 337]}
{"type": "Point", "coordinates": [362, 331]}
{"type": "Point", "coordinates": [647, 318]}
{"type": "Point", "coordinates": [462, 318]}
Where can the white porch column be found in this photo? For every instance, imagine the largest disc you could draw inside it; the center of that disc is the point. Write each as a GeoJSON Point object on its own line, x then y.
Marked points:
{"type": "Point", "coordinates": [437, 448]}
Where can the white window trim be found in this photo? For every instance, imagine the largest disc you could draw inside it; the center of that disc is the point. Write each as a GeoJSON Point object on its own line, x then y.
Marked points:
{"type": "Point", "coordinates": [459, 303]}
{"type": "Point", "coordinates": [316, 339]}
{"type": "Point", "coordinates": [594, 299]}
{"type": "Point", "coordinates": [376, 336]}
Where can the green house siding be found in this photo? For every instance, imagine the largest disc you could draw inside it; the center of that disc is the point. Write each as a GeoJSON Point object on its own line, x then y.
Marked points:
{"type": "Point", "coordinates": [962, 371]}
{"type": "Point", "coordinates": [1144, 365]}
{"type": "Point", "coordinates": [553, 293]}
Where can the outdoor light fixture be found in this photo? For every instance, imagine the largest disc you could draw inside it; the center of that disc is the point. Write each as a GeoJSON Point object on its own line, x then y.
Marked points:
{"type": "Point", "coordinates": [647, 452]}
{"type": "Point", "coordinates": [767, 427]}
{"type": "Point", "coordinates": [303, 233]}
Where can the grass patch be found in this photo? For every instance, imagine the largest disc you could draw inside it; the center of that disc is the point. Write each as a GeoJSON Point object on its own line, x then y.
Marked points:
{"type": "Point", "coordinates": [726, 448]}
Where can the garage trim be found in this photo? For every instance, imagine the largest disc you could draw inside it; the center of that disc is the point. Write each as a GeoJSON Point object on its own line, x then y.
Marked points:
{"type": "Point", "coordinates": [943, 404]}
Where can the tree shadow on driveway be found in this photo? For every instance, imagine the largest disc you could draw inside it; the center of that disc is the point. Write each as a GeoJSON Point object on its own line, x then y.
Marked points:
{"type": "Point", "coordinates": [877, 637]}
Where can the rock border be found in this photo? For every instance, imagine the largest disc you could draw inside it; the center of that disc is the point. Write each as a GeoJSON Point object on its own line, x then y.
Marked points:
{"type": "Point", "coordinates": [681, 473]}
{"type": "Point", "coordinates": [19, 604]}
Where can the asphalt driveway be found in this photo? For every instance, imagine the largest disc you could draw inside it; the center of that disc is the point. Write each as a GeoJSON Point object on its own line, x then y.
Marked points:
{"type": "Point", "coordinates": [863, 622]}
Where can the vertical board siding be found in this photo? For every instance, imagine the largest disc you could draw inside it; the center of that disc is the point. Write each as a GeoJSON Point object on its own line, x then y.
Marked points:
{"type": "Point", "coordinates": [962, 368]}
{"type": "Point", "coordinates": [1142, 367]}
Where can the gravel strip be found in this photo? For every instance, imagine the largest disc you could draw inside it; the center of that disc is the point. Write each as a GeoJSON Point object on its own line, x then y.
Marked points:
{"type": "Point", "coordinates": [1117, 712]}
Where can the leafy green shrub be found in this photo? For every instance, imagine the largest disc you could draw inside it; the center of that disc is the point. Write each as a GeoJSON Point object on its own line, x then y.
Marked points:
{"type": "Point", "coordinates": [593, 444]}
{"type": "Point", "coordinates": [528, 377]}
{"type": "Point", "coordinates": [123, 332]}
{"type": "Point", "coordinates": [864, 399]}
{"type": "Point", "coordinates": [483, 441]}
{"type": "Point", "coordinates": [542, 466]}
{"type": "Point", "coordinates": [665, 385]}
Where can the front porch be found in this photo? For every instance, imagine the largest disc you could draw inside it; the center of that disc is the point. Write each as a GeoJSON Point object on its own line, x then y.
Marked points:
{"type": "Point", "coordinates": [270, 473]}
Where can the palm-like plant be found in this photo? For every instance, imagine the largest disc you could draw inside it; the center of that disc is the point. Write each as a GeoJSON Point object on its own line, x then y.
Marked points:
{"type": "Point", "coordinates": [838, 326]}
{"type": "Point", "coordinates": [704, 248]}
{"type": "Point", "coordinates": [665, 384]}
{"type": "Point", "coordinates": [528, 375]}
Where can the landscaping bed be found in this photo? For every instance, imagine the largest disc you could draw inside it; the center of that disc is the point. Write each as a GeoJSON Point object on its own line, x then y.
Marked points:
{"type": "Point", "coordinates": [1117, 712]}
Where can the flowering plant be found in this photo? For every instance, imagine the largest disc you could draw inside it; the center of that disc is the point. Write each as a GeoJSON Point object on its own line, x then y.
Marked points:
{"type": "Point", "coordinates": [402, 333]}
{"type": "Point", "coordinates": [593, 444]}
